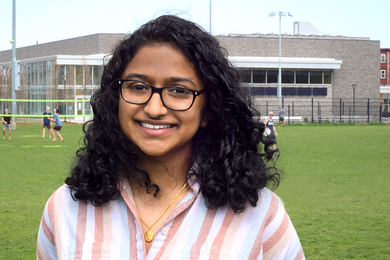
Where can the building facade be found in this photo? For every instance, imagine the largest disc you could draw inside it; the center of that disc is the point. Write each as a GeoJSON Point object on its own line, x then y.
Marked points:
{"type": "Point", "coordinates": [316, 70]}
{"type": "Point", "coordinates": [385, 81]}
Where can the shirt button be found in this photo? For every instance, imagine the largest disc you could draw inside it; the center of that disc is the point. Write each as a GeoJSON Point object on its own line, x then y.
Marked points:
{"type": "Point", "coordinates": [165, 230]}
{"type": "Point", "coordinates": [193, 177]}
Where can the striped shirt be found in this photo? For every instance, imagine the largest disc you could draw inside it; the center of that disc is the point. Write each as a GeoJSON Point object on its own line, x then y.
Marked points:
{"type": "Point", "coordinates": [78, 230]}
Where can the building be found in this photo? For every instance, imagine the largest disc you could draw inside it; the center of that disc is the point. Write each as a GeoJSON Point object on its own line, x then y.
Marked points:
{"type": "Point", "coordinates": [316, 70]}
{"type": "Point", "coordinates": [69, 70]}
{"type": "Point", "coordinates": [385, 81]}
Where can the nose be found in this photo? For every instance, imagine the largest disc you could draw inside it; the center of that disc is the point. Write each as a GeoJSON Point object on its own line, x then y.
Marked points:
{"type": "Point", "coordinates": [155, 108]}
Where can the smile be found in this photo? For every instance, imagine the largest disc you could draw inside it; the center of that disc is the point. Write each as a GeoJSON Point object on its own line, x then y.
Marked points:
{"type": "Point", "coordinates": [146, 125]}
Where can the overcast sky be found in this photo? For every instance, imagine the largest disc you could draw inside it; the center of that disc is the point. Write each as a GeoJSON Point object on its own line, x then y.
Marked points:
{"type": "Point", "coordinates": [52, 20]}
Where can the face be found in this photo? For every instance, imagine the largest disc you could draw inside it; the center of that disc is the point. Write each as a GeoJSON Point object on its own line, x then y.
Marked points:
{"type": "Point", "coordinates": [5, 111]}
{"type": "Point", "coordinates": [47, 109]}
{"type": "Point", "coordinates": [157, 130]}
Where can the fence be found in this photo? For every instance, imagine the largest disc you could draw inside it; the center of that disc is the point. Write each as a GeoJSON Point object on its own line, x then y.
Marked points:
{"type": "Point", "coordinates": [316, 110]}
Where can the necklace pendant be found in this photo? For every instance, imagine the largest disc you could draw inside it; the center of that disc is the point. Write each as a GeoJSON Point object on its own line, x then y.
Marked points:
{"type": "Point", "coordinates": [149, 236]}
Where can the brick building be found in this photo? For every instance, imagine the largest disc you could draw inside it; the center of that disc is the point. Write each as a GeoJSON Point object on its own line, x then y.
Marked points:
{"type": "Point", "coordinates": [314, 69]}
{"type": "Point", "coordinates": [385, 81]}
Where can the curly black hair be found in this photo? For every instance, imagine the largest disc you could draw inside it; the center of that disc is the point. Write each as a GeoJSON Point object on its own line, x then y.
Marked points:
{"type": "Point", "coordinates": [232, 159]}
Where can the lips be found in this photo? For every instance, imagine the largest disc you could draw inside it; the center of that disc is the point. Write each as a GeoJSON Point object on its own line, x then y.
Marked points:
{"type": "Point", "coordinates": [156, 127]}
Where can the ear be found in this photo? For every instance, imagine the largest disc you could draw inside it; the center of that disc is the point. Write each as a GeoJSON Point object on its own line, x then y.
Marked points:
{"type": "Point", "coordinates": [203, 124]}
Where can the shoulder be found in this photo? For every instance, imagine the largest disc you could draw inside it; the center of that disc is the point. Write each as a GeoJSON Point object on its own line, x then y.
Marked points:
{"type": "Point", "coordinates": [60, 200]}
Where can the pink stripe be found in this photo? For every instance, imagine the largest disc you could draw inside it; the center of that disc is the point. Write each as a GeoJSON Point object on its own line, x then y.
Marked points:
{"type": "Point", "coordinates": [258, 245]}
{"type": "Point", "coordinates": [204, 232]}
{"type": "Point", "coordinates": [50, 211]}
{"type": "Point", "coordinates": [217, 245]}
{"type": "Point", "coordinates": [99, 233]}
{"type": "Point", "coordinates": [81, 228]}
{"type": "Point", "coordinates": [172, 231]}
{"type": "Point", "coordinates": [300, 255]}
{"type": "Point", "coordinates": [47, 231]}
{"type": "Point", "coordinates": [273, 240]}
{"type": "Point", "coordinates": [39, 256]}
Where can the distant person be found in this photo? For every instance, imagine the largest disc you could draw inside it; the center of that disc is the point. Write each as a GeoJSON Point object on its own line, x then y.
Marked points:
{"type": "Point", "coordinates": [46, 123]}
{"type": "Point", "coordinates": [7, 124]}
{"type": "Point", "coordinates": [58, 126]}
{"type": "Point", "coordinates": [269, 123]}
{"type": "Point", "coordinates": [281, 116]}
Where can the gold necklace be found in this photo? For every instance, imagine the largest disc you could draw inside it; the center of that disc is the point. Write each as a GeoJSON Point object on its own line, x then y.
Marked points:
{"type": "Point", "coordinates": [149, 234]}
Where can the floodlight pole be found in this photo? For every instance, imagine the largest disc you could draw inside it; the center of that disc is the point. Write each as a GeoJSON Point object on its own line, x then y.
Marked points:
{"type": "Point", "coordinates": [65, 76]}
{"type": "Point", "coordinates": [210, 17]}
{"type": "Point", "coordinates": [279, 92]}
{"type": "Point", "coordinates": [13, 41]}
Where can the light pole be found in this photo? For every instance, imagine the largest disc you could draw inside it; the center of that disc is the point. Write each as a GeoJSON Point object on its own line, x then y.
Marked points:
{"type": "Point", "coordinates": [272, 14]}
{"type": "Point", "coordinates": [65, 76]}
{"type": "Point", "coordinates": [353, 87]}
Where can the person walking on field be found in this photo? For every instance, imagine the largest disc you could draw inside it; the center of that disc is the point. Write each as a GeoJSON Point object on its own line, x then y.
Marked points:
{"type": "Point", "coordinates": [46, 122]}
{"type": "Point", "coordinates": [269, 123]}
{"type": "Point", "coordinates": [281, 117]}
{"type": "Point", "coordinates": [7, 124]}
{"type": "Point", "coordinates": [58, 126]}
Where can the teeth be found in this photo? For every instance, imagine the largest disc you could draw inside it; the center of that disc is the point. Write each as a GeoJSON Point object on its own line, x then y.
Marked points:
{"type": "Point", "coordinates": [146, 125]}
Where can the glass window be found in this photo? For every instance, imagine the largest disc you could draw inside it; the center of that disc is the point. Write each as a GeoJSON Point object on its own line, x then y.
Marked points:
{"type": "Point", "coordinates": [383, 74]}
{"type": "Point", "coordinates": [79, 75]}
{"type": "Point", "coordinates": [288, 76]}
{"type": "Point", "coordinates": [61, 80]}
{"type": "Point", "coordinates": [327, 77]}
{"type": "Point", "coordinates": [44, 73]}
{"type": "Point", "coordinates": [383, 58]}
{"type": "Point", "coordinates": [88, 75]}
{"type": "Point", "coordinates": [272, 76]}
{"type": "Point", "coordinates": [302, 77]}
{"type": "Point", "coordinates": [258, 76]}
{"type": "Point", "coordinates": [316, 77]}
{"type": "Point", "coordinates": [245, 76]}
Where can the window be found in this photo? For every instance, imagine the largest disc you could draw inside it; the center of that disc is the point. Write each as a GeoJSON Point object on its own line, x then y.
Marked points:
{"type": "Point", "coordinates": [383, 74]}
{"type": "Point", "coordinates": [272, 76]}
{"type": "Point", "coordinates": [258, 76]}
{"type": "Point", "coordinates": [327, 77]}
{"type": "Point", "coordinates": [316, 77]}
{"type": "Point", "coordinates": [288, 76]}
{"type": "Point", "coordinates": [245, 76]}
{"type": "Point", "coordinates": [302, 77]}
{"type": "Point", "coordinates": [383, 58]}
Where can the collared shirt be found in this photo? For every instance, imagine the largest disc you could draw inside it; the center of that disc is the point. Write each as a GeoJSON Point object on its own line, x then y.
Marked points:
{"type": "Point", "coordinates": [78, 230]}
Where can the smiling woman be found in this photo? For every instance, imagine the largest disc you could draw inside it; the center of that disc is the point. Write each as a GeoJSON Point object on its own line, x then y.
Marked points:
{"type": "Point", "coordinates": [171, 167]}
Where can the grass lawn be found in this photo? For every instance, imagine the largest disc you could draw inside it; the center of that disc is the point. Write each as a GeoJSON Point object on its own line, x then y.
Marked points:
{"type": "Point", "coordinates": [336, 187]}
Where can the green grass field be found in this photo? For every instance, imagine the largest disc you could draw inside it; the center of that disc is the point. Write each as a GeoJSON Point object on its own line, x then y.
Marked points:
{"type": "Point", "coordinates": [336, 187]}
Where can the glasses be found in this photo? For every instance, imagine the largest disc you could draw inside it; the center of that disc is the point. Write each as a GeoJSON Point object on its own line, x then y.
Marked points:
{"type": "Point", "coordinates": [173, 97]}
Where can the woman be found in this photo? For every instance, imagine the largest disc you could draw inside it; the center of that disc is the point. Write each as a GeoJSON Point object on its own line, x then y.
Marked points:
{"type": "Point", "coordinates": [269, 124]}
{"type": "Point", "coordinates": [171, 167]}
{"type": "Point", "coordinates": [58, 126]}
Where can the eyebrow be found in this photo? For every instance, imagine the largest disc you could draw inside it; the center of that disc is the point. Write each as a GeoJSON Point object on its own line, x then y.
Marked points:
{"type": "Point", "coordinates": [171, 79]}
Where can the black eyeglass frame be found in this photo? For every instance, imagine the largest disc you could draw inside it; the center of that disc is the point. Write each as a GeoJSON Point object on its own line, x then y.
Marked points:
{"type": "Point", "coordinates": [195, 93]}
